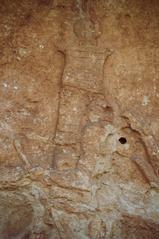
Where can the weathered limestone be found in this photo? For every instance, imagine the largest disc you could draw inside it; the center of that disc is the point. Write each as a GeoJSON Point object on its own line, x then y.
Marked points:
{"type": "Point", "coordinates": [79, 89]}
{"type": "Point", "coordinates": [81, 84]}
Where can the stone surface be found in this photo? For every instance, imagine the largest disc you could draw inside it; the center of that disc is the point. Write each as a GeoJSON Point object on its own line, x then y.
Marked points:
{"type": "Point", "coordinates": [79, 90]}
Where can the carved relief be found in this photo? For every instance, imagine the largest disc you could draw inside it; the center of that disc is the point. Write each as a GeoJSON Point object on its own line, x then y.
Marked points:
{"type": "Point", "coordinates": [148, 165]}
{"type": "Point", "coordinates": [82, 83]}
{"type": "Point", "coordinates": [89, 168]}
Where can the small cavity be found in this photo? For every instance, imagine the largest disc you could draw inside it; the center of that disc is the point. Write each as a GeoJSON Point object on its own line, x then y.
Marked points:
{"type": "Point", "coordinates": [122, 140]}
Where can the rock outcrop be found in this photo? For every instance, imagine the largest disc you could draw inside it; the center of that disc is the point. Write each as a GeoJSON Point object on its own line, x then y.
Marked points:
{"type": "Point", "coordinates": [79, 89]}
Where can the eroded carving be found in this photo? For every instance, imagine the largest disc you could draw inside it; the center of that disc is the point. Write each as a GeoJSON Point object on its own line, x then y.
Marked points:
{"type": "Point", "coordinates": [94, 179]}
{"type": "Point", "coordinates": [149, 165]}
{"type": "Point", "coordinates": [82, 84]}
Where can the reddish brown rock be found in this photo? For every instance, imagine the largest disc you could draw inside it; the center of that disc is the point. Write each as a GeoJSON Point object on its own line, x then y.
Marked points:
{"type": "Point", "coordinates": [136, 227]}
{"type": "Point", "coordinates": [79, 91]}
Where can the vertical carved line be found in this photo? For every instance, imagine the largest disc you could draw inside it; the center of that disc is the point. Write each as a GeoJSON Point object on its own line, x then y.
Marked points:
{"type": "Point", "coordinates": [63, 54]}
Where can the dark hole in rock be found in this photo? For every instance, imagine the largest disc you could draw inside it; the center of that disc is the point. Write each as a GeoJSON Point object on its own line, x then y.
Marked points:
{"type": "Point", "coordinates": [123, 140]}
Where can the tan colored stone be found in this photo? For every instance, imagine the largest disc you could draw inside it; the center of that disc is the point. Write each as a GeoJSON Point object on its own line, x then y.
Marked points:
{"type": "Point", "coordinates": [79, 111]}
{"type": "Point", "coordinates": [135, 227]}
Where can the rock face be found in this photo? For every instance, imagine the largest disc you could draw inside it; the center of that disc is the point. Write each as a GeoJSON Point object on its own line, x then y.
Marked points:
{"type": "Point", "coordinates": [79, 108]}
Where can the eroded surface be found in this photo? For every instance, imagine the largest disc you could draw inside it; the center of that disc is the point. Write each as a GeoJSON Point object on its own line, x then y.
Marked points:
{"type": "Point", "coordinates": [79, 92]}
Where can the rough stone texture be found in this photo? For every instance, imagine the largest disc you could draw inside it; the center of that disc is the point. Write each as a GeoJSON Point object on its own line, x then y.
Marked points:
{"type": "Point", "coordinates": [79, 108]}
